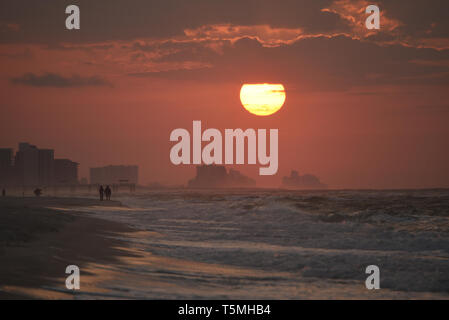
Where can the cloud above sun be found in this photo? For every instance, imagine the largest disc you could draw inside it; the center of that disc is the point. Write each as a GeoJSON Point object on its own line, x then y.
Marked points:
{"type": "Point", "coordinates": [228, 44]}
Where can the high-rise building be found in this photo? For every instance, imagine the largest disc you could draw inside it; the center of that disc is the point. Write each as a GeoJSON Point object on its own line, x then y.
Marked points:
{"type": "Point", "coordinates": [6, 166]}
{"type": "Point", "coordinates": [46, 167]}
{"type": "Point", "coordinates": [34, 167]}
{"type": "Point", "coordinates": [66, 172]}
{"type": "Point", "coordinates": [5, 157]}
{"type": "Point", "coordinates": [27, 165]}
{"type": "Point", "coordinates": [111, 175]}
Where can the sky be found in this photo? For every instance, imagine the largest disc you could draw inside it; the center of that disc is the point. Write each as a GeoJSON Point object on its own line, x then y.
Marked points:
{"type": "Point", "coordinates": [364, 108]}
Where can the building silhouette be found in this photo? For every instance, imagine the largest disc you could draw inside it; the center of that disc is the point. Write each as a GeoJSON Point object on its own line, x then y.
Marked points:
{"type": "Point", "coordinates": [27, 165]}
{"type": "Point", "coordinates": [46, 167]}
{"type": "Point", "coordinates": [6, 166]}
{"type": "Point", "coordinates": [216, 176]}
{"type": "Point", "coordinates": [6, 158]}
{"type": "Point", "coordinates": [306, 181]}
{"type": "Point", "coordinates": [34, 167]}
{"type": "Point", "coordinates": [65, 172]}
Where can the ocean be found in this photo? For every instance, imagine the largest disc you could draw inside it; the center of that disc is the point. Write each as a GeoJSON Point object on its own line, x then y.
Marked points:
{"type": "Point", "coordinates": [277, 244]}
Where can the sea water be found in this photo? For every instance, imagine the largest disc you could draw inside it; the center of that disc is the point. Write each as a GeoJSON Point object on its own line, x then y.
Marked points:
{"type": "Point", "coordinates": [274, 244]}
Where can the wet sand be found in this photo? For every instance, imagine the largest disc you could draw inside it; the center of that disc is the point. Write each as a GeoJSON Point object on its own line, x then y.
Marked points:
{"type": "Point", "coordinates": [38, 242]}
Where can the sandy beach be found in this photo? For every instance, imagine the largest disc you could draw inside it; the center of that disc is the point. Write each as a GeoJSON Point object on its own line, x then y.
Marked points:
{"type": "Point", "coordinates": [37, 242]}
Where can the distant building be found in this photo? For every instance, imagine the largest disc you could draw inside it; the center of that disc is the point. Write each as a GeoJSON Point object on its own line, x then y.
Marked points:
{"type": "Point", "coordinates": [34, 167]}
{"type": "Point", "coordinates": [214, 176]}
{"type": "Point", "coordinates": [6, 157]}
{"type": "Point", "coordinates": [114, 175]}
{"type": "Point", "coordinates": [6, 166]}
{"type": "Point", "coordinates": [46, 168]}
{"type": "Point", "coordinates": [65, 172]}
{"type": "Point", "coordinates": [27, 165]}
{"type": "Point", "coordinates": [306, 181]}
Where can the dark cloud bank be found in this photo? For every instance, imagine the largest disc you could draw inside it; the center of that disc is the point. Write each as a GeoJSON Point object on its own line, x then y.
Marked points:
{"type": "Point", "coordinates": [58, 81]}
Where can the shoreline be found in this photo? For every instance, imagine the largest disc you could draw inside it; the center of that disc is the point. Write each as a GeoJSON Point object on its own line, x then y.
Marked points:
{"type": "Point", "coordinates": [225, 247]}
{"type": "Point", "coordinates": [38, 242]}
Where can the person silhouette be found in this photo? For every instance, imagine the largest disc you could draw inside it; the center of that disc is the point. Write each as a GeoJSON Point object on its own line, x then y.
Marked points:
{"type": "Point", "coordinates": [101, 190]}
{"type": "Point", "coordinates": [3, 193]}
{"type": "Point", "coordinates": [37, 192]}
{"type": "Point", "coordinates": [108, 193]}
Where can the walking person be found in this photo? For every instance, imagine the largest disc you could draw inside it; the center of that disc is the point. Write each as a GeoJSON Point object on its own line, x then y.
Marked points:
{"type": "Point", "coordinates": [101, 190]}
{"type": "Point", "coordinates": [108, 193]}
{"type": "Point", "coordinates": [37, 192]}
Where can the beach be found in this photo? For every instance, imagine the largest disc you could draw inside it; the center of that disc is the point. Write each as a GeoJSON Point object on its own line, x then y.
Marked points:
{"type": "Point", "coordinates": [39, 239]}
{"type": "Point", "coordinates": [228, 244]}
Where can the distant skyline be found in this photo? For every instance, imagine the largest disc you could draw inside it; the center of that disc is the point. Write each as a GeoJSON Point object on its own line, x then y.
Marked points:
{"type": "Point", "coordinates": [31, 166]}
{"type": "Point", "coordinates": [363, 108]}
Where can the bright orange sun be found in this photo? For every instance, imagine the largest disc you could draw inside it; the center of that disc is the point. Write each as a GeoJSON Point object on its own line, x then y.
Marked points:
{"type": "Point", "coordinates": [262, 99]}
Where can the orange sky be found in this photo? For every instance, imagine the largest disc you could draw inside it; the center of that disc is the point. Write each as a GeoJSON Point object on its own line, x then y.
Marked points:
{"type": "Point", "coordinates": [362, 110]}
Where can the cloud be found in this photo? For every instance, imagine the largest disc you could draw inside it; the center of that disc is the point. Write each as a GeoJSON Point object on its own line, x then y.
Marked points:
{"type": "Point", "coordinates": [9, 27]}
{"type": "Point", "coordinates": [320, 63]}
{"type": "Point", "coordinates": [43, 22]}
{"type": "Point", "coordinates": [58, 81]}
{"type": "Point", "coordinates": [419, 20]}
{"type": "Point", "coordinates": [26, 53]}
{"type": "Point", "coordinates": [405, 22]}
{"type": "Point", "coordinates": [353, 12]}
{"type": "Point", "coordinates": [312, 45]}
{"type": "Point", "coordinates": [435, 108]}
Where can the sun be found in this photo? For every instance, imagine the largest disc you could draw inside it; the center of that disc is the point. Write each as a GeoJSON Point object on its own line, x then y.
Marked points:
{"type": "Point", "coordinates": [262, 99]}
